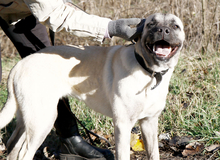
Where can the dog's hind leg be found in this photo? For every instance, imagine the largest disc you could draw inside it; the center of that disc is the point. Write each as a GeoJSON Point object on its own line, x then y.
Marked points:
{"type": "Point", "coordinates": [149, 132]}
{"type": "Point", "coordinates": [14, 150]}
{"type": "Point", "coordinates": [37, 129]}
{"type": "Point", "coordinates": [33, 142]}
{"type": "Point", "coordinates": [16, 140]}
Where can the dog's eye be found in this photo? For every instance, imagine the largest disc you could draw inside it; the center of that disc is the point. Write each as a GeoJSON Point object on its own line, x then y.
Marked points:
{"type": "Point", "coordinates": [151, 24]}
{"type": "Point", "coordinates": [176, 27]}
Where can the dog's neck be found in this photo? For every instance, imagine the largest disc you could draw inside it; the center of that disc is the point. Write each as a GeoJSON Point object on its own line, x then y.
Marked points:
{"type": "Point", "coordinates": [157, 75]}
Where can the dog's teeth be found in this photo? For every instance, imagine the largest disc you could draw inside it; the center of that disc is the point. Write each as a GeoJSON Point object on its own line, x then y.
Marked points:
{"type": "Point", "coordinates": [154, 48]}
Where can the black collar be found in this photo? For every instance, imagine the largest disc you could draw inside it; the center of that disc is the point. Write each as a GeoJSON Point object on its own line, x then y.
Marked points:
{"type": "Point", "coordinates": [157, 75]}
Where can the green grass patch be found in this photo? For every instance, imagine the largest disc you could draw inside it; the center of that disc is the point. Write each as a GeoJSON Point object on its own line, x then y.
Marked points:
{"type": "Point", "coordinates": [193, 102]}
{"type": "Point", "coordinates": [7, 64]}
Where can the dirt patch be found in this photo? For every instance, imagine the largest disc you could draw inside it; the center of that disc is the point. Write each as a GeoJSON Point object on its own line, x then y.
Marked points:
{"type": "Point", "coordinates": [172, 149]}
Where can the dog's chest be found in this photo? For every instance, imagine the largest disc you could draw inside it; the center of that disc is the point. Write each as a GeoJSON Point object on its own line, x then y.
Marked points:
{"type": "Point", "coordinates": [142, 100]}
{"type": "Point", "coordinates": [154, 101]}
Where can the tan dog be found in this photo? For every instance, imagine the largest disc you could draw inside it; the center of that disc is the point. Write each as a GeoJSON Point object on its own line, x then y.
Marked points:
{"type": "Point", "coordinates": [127, 83]}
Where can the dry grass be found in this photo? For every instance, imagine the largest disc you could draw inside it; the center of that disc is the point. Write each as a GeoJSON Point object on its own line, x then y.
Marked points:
{"type": "Point", "coordinates": [202, 30]}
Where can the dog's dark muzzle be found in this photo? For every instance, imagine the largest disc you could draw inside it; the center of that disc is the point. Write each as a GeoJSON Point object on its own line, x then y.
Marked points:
{"type": "Point", "coordinates": [161, 42]}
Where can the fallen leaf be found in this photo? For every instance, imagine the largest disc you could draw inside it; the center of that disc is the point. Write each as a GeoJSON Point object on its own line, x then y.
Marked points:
{"type": "Point", "coordinates": [139, 146]}
{"type": "Point", "coordinates": [192, 149]}
{"type": "Point", "coordinates": [101, 134]}
{"type": "Point", "coordinates": [174, 140]}
{"type": "Point", "coordinates": [134, 138]}
{"type": "Point", "coordinates": [164, 136]}
{"type": "Point", "coordinates": [180, 141]}
{"type": "Point", "coordinates": [45, 152]}
{"type": "Point", "coordinates": [213, 148]}
{"type": "Point", "coordinates": [2, 145]}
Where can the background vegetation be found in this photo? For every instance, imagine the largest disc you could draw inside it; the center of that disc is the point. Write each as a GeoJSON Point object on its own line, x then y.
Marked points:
{"type": "Point", "coordinates": [193, 103]}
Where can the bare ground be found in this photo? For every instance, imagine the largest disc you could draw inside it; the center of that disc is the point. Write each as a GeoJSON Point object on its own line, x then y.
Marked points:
{"type": "Point", "coordinates": [173, 149]}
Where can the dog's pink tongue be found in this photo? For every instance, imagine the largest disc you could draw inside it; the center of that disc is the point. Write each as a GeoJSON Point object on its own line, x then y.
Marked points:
{"type": "Point", "coordinates": [162, 50]}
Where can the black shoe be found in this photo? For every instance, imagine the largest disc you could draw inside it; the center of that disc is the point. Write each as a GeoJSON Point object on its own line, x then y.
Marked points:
{"type": "Point", "coordinates": [76, 148]}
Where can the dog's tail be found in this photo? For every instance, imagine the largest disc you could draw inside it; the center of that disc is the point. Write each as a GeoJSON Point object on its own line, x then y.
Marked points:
{"type": "Point", "coordinates": [8, 111]}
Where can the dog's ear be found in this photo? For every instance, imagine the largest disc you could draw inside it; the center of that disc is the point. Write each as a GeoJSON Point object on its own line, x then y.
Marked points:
{"type": "Point", "coordinates": [139, 31]}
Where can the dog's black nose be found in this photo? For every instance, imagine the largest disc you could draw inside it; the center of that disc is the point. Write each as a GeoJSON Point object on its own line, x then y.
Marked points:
{"type": "Point", "coordinates": [160, 30]}
{"type": "Point", "coordinates": [164, 30]}
{"type": "Point", "coordinates": [167, 31]}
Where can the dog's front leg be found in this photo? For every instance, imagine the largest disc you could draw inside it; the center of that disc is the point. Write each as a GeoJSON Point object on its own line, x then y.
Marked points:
{"type": "Point", "coordinates": [149, 132]}
{"type": "Point", "coordinates": [122, 139]}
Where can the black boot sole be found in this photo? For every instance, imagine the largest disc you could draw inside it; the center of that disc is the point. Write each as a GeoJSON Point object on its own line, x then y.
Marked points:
{"type": "Point", "coordinates": [77, 157]}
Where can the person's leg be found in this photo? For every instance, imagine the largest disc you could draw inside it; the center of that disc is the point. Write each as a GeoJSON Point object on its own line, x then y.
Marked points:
{"type": "Point", "coordinates": [29, 36]}
{"type": "Point", "coordinates": [73, 146]}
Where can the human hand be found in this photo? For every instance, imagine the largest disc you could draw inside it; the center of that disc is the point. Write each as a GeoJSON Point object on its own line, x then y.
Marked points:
{"type": "Point", "coordinates": [121, 28]}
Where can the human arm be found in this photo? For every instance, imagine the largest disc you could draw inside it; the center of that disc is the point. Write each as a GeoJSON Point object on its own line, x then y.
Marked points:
{"type": "Point", "coordinates": [59, 16]}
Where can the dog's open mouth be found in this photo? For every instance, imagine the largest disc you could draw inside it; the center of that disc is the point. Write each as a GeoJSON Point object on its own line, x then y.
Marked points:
{"type": "Point", "coordinates": [162, 49]}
